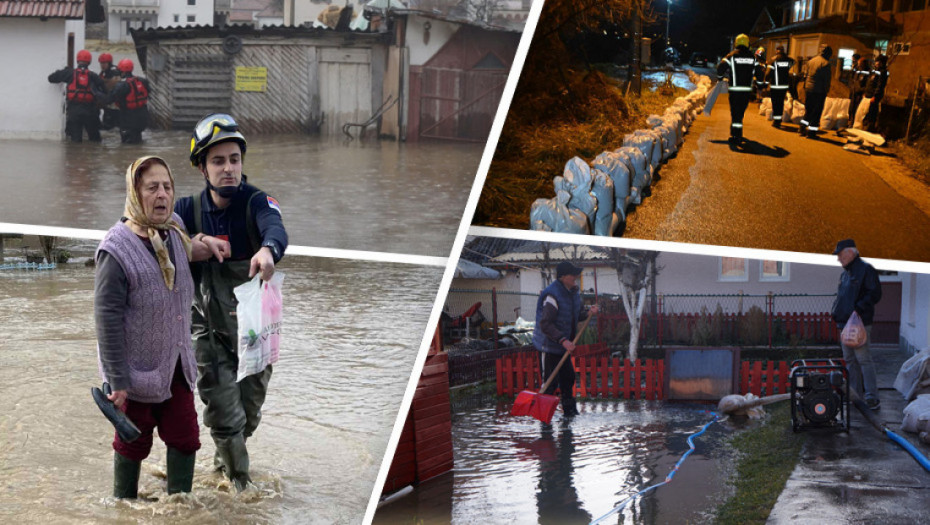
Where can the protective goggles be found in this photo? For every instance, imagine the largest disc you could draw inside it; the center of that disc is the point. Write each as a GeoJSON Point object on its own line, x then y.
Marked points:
{"type": "Point", "coordinates": [210, 125]}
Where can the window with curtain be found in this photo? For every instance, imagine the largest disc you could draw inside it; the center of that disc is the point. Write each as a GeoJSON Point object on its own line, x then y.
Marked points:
{"type": "Point", "coordinates": [733, 269]}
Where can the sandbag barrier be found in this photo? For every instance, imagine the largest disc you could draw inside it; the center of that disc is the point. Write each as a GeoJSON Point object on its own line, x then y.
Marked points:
{"type": "Point", "coordinates": [835, 112]}
{"type": "Point", "coordinates": [597, 197]}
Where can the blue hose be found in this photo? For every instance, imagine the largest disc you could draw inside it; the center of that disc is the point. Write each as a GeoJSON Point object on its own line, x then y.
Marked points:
{"type": "Point", "coordinates": [668, 478]}
{"type": "Point", "coordinates": [906, 445]}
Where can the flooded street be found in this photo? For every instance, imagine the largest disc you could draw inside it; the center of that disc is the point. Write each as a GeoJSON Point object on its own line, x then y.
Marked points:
{"type": "Point", "coordinates": [351, 332]}
{"type": "Point", "coordinates": [515, 470]}
{"type": "Point", "coordinates": [359, 195]}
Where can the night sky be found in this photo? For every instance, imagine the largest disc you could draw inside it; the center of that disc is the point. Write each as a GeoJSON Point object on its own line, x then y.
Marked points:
{"type": "Point", "coordinates": [707, 25]}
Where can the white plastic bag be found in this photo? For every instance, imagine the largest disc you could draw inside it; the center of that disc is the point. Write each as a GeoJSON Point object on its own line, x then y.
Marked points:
{"type": "Point", "coordinates": [259, 316]}
{"type": "Point", "coordinates": [854, 334]}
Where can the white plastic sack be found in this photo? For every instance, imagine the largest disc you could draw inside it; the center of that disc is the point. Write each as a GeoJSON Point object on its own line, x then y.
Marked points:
{"type": "Point", "coordinates": [605, 221]}
{"type": "Point", "coordinates": [861, 112]}
{"type": "Point", "coordinates": [259, 316]}
{"type": "Point", "coordinates": [917, 415]}
{"type": "Point", "coordinates": [557, 216]}
{"type": "Point", "coordinates": [576, 179]}
{"type": "Point", "coordinates": [912, 374]}
{"type": "Point", "coordinates": [619, 172]}
{"type": "Point", "coordinates": [720, 87]}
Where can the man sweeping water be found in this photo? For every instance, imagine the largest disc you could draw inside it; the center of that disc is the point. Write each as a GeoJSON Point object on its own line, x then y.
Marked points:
{"type": "Point", "coordinates": [558, 311]}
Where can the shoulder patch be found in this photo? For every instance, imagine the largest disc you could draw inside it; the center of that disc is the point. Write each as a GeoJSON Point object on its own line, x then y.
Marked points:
{"type": "Point", "coordinates": [551, 300]}
{"type": "Point", "coordinates": [273, 204]}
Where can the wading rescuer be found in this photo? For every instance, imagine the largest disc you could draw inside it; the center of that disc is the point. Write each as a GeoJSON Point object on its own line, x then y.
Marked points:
{"type": "Point", "coordinates": [132, 97]}
{"type": "Point", "coordinates": [739, 69]}
{"type": "Point", "coordinates": [110, 77]}
{"type": "Point", "coordinates": [779, 75]}
{"type": "Point", "coordinates": [250, 220]}
{"type": "Point", "coordinates": [558, 312]}
{"type": "Point", "coordinates": [142, 295]}
{"type": "Point", "coordinates": [817, 73]}
{"type": "Point", "coordinates": [859, 290]}
{"type": "Point", "coordinates": [84, 88]}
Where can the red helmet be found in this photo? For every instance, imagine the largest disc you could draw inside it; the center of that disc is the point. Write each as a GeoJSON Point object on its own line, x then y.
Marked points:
{"type": "Point", "coordinates": [105, 57]}
{"type": "Point", "coordinates": [125, 65]}
{"type": "Point", "coordinates": [84, 56]}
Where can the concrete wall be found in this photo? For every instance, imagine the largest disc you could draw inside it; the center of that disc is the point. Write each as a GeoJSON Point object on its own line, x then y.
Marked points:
{"type": "Point", "coordinates": [440, 33]}
{"type": "Point", "coordinates": [915, 312]}
{"type": "Point", "coordinates": [904, 69]}
{"type": "Point", "coordinates": [33, 108]}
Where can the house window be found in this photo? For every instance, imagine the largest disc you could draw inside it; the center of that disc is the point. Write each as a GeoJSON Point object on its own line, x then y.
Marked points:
{"type": "Point", "coordinates": [733, 269]}
{"type": "Point", "coordinates": [881, 47]}
{"type": "Point", "coordinates": [773, 271]}
{"type": "Point", "coordinates": [803, 10]}
{"type": "Point", "coordinates": [901, 48]}
{"type": "Point", "coordinates": [191, 2]}
{"type": "Point", "coordinates": [191, 18]}
{"type": "Point", "coordinates": [177, 18]}
{"type": "Point", "coordinates": [845, 55]}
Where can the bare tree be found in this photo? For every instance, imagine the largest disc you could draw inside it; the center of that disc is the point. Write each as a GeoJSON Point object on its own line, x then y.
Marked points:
{"type": "Point", "coordinates": [480, 10]}
{"type": "Point", "coordinates": [545, 268]}
{"type": "Point", "coordinates": [636, 271]}
{"type": "Point", "coordinates": [48, 247]}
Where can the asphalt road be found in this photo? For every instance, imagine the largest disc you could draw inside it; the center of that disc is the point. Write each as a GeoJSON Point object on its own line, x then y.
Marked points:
{"type": "Point", "coordinates": [783, 192]}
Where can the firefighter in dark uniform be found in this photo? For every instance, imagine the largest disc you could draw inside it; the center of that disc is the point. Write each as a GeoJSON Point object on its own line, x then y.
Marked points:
{"type": "Point", "coordinates": [761, 83]}
{"type": "Point", "coordinates": [780, 77]}
{"type": "Point", "coordinates": [857, 84]}
{"type": "Point", "coordinates": [110, 77]}
{"type": "Point", "coordinates": [739, 70]}
{"type": "Point", "coordinates": [875, 90]}
{"type": "Point", "coordinates": [84, 88]}
{"type": "Point", "coordinates": [817, 76]}
{"type": "Point", "coordinates": [132, 97]}
{"type": "Point", "coordinates": [250, 219]}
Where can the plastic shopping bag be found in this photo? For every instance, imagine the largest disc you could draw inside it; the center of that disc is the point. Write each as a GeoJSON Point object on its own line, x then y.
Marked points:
{"type": "Point", "coordinates": [853, 334]}
{"type": "Point", "coordinates": [259, 315]}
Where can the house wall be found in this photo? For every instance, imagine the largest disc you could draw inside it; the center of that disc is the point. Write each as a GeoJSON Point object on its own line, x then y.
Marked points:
{"type": "Point", "coordinates": [202, 10]}
{"type": "Point", "coordinates": [915, 315]}
{"type": "Point", "coordinates": [440, 33]}
{"type": "Point", "coordinates": [307, 11]}
{"type": "Point", "coordinates": [33, 108]}
{"type": "Point", "coordinates": [905, 69]}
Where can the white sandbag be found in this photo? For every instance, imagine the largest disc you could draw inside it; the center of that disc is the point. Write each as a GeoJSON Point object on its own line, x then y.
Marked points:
{"type": "Point", "coordinates": [605, 220]}
{"type": "Point", "coordinates": [619, 171]}
{"type": "Point", "coordinates": [645, 141]}
{"type": "Point", "coordinates": [556, 214]}
{"type": "Point", "coordinates": [797, 113]}
{"type": "Point", "coordinates": [917, 415]}
{"type": "Point", "coordinates": [828, 117]}
{"type": "Point", "coordinates": [642, 175]}
{"type": "Point", "coordinates": [766, 104]}
{"type": "Point", "coordinates": [720, 88]}
{"type": "Point", "coordinates": [861, 112]}
{"type": "Point", "coordinates": [912, 374]}
{"type": "Point", "coordinates": [577, 179]}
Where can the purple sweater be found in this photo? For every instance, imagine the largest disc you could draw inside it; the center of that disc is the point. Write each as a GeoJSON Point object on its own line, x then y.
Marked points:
{"type": "Point", "coordinates": [157, 321]}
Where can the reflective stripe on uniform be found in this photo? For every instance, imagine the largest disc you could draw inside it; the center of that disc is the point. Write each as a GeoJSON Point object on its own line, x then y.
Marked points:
{"type": "Point", "coordinates": [812, 128]}
{"type": "Point", "coordinates": [736, 125]}
{"type": "Point", "coordinates": [777, 117]}
{"type": "Point", "coordinates": [804, 123]}
{"type": "Point", "coordinates": [773, 86]}
{"type": "Point", "coordinates": [739, 88]}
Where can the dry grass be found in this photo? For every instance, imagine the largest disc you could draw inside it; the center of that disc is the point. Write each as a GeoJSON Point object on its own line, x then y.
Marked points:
{"type": "Point", "coordinates": [545, 129]}
{"type": "Point", "coordinates": [916, 157]}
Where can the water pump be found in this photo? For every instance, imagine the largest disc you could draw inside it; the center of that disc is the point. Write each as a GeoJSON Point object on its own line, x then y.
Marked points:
{"type": "Point", "coordinates": [819, 394]}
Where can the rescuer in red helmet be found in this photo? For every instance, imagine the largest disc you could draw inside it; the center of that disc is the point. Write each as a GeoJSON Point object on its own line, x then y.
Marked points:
{"type": "Point", "coordinates": [132, 97]}
{"type": "Point", "coordinates": [84, 88]}
{"type": "Point", "coordinates": [110, 76]}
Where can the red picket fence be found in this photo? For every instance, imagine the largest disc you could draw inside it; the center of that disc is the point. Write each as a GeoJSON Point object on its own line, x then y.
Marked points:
{"type": "Point", "coordinates": [598, 376]}
{"type": "Point", "coordinates": [606, 377]}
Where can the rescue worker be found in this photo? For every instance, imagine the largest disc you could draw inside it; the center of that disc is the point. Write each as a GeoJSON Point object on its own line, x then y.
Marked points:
{"type": "Point", "coordinates": [110, 76]}
{"type": "Point", "coordinates": [558, 312]}
{"type": "Point", "coordinates": [875, 90]}
{"type": "Point", "coordinates": [761, 82]}
{"type": "Point", "coordinates": [250, 220]}
{"type": "Point", "coordinates": [738, 69]}
{"type": "Point", "coordinates": [857, 84]}
{"type": "Point", "coordinates": [132, 96]}
{"type": "Point", "coordinates": [779, 74]}
{"type": "Point", "coordinates": [817, 75]}
{"type": "Point", "coordinates": [84, 88]}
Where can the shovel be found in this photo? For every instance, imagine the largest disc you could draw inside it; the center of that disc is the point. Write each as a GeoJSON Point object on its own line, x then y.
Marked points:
{"type": "Point", "coordinates": [539, 405]}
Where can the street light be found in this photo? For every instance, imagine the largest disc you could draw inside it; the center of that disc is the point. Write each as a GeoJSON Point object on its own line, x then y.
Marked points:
{"type": "Point", "coordinates": [668, 21]}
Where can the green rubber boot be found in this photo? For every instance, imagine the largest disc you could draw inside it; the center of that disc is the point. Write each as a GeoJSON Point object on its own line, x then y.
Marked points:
{"type": "Point", "coordinates": [235, 457]}
{"type": "Point", "coordinates": [125, 476]}
{"type": "Point", "coordinates": [180, 471]}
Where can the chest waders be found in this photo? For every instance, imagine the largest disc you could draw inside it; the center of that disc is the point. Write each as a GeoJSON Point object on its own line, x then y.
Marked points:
{"type": "Point", "coordinates": [232, 410]}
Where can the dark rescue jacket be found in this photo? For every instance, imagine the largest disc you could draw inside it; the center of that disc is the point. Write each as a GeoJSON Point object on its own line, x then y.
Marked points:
{"type": "Point", "coordinates": [875, 86]}
{"type": "Point", "coordinates": [79, 90]}
{"type": "Point", "coordinates": [778, 72]}
{"type": "Point", "coordinates": [569, 312]}
{"type": "Point", "coordinates": [740, 68]}
{"type": "Point", "coordinates": [858, 291]}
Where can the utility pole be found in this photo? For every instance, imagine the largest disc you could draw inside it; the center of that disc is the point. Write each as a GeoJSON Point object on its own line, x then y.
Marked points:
{"type": "Point", "coordinates": [637, 73]}
{"type": "Point", "coordinates": [668, 23]}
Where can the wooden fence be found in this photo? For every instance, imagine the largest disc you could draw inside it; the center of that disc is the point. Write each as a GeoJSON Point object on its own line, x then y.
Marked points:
{"type": "Point", "coordinates": [612, 378]}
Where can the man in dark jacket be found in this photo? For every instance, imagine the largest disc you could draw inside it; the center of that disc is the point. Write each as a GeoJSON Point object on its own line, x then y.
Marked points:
{"type": "Point", "coordinates": [875, 90]}
{"type": "Point", "coordinates": [817, 76]}
{"type": "Point", "coordinates": [110, 77]}
{"type": "Point", "coordinates": [558, 311]}
{"type": "Point", "coordinates": [84, 88]}
{"type": "Point", "coordinates": [858, 291]}
{"type": "Point", "coordinates": [739, 68]}
{"type": "Point", "coordinates": [779, 75]}
{"type": "Point", "coordinates": [132, 97]}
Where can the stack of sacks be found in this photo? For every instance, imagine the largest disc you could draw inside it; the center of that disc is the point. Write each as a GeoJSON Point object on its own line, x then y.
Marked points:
{"type": "Point", "coordinates": [619, 170]}
{"type": "Point", "coordinates": [917, 417]}
{"type": "Point", "coordinates": [797, 112]}
{"type": "Point", "coordinates": [668, 129]}
{"type": "Point", "coordinates": [554, 215]}
{"type": "Point", "coordinates": [651, 143]}
{"type": "Point", "coordinates": [835, 114]}
{"type": "Point", "coordinates": [639, 169]}
{"type": "Point", "coordinates": [606, 219]}
{"type": "Point", "coordinates": [576, 179]}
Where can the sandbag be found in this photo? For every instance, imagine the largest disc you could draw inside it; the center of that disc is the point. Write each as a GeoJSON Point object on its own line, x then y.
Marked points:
{"type": "Point", "coordinates": [603, 189]}
{"type": "Point", "coordinates": [641, 172]}
{"type": "Point", "coordinates": [576, 179]}
{"type": "Point", "coordinates": [718, 89]}
{"type": "Point", "coordinates": [911, 375]}
{"type": "Point", "coordinates": [861, 112]}
{"type": "Point", "coordinates": [556, 214]}
{"type": "Point", "coordinates": [917, 415]}
{"type": "Point", "coordinates": [766, 104]}
{"type": "Point", "coordinates": [619, 172]}
{"type": "Point", "coordinates": [645, 142]}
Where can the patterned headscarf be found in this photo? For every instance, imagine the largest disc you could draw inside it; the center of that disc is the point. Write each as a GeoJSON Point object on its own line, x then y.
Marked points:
{"type": "Point", "coordinates": [134, 212]}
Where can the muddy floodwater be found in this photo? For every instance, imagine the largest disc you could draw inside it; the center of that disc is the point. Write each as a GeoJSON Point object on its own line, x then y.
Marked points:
{"type": "Point", "coordinates": [350, 336]}
{"type": "Point", "coordinates": [516, 470]}
{"type": "Point", "coordinates": [360, 195]}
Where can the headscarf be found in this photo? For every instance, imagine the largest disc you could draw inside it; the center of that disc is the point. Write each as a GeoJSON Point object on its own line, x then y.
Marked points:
{"type": "Point", "coordinates": [134, 212]}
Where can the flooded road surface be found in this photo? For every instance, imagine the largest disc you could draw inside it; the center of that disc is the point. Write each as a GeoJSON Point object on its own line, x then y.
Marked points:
{"type": "Point", "coordinates": [351, 332]}
{"type": "Point", "coordinates": [515, 470]}
{"type": "Point", "coordinates": [376, 196]}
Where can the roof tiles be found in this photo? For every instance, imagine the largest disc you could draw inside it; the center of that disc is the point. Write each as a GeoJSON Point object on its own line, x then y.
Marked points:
{"type": "Point", "coordinates": [42, 8]}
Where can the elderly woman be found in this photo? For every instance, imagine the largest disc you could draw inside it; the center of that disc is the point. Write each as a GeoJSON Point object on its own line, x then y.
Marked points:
{"type": "Point", "coordinates": [142, 301]}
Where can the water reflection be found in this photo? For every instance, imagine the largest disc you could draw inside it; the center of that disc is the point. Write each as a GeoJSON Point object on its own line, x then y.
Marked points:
{"type": "Point", "coordinates": [517, 470]}
{"type": "Point", "coordinates": [378, 196]}
{"type": "Point", "coordinates": [351, 334]}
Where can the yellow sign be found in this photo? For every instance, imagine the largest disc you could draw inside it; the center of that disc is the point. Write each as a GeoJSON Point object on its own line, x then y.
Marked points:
{"type": "Point", "coordinates": [251, 78]}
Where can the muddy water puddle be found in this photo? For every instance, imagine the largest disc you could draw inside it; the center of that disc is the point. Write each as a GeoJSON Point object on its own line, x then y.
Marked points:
{"type": "Point", "coordinates": [351, 333]}
{"type": "Point", "coordinates": [517, 470]}
{"type": "Point", "coordinates": [359, 195]}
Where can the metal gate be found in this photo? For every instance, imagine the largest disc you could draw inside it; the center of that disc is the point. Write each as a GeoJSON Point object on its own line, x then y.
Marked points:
{"type": "Point", "coordinates": [200, 84]}
{"type": "Point", "coordinates": [459, 105]}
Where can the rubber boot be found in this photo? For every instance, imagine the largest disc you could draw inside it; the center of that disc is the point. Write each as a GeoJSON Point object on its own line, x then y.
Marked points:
{"type": "Point", "coordinates": [125, 476]}
{"type": "Point", "coordinates": [180, 471]}
{"type": "Point", "coordinates": [802, 130]}
{"type": "Point", "coordinates": [218, 465]}
{"type": "Point", "coordinates": [569, 408]}
{"type": "Point", "coordinates": [235, 458]}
